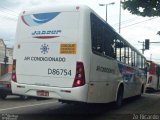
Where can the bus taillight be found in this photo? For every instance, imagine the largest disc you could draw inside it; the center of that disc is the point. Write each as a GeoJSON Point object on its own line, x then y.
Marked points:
{"type": "Point", "coordinates": [150, 79]}
{"type": "Point", "coordinates": [14, 78]}
{"type": "Point", "coordinates": [80, 75]}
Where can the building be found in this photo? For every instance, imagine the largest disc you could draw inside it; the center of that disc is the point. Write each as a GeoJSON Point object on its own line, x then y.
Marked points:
{"type": "Point", "coordinates": [9, 54]}
{"type": "Point", "coordinates": [2, 51]}
{"type": "Point", "coordinates": [4, 68]}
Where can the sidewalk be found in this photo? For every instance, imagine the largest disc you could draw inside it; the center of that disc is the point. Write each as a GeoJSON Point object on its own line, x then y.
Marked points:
{"type": "Point", "coordinates": [6, 77]}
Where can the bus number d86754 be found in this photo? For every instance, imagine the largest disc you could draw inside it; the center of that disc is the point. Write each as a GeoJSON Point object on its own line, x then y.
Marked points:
{"type": "Point", "coordinates": [61, 72]}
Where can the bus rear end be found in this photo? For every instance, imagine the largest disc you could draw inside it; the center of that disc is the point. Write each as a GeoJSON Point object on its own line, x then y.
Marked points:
{"type": "Point", "coordinates": [47, 57]}
{"type": "Point", "coordinates": [152, 76]}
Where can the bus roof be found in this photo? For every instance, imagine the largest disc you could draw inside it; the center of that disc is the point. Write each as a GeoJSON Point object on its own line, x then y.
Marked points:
{"type": "Point", "coordinates": [56, 8]}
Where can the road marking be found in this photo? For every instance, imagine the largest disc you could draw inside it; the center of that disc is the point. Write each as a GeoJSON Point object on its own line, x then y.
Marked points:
{"type": "Point", "coordinates": [26, 106]}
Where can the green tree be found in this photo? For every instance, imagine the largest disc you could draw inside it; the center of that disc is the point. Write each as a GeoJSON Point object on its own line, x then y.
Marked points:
{"type": "Point", "coordinates": [158, 33]}
{"type": "Point", "coordinates": [143, 8]}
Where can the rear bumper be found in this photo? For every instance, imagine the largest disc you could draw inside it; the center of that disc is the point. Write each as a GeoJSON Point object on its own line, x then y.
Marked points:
{"type": "Point", "coordinates": [70, 94]}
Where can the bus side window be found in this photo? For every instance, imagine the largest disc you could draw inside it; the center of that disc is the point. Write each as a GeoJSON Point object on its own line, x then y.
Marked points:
{"type": "Point", "coordinates": [108, 43]}
{"type": "Point", "coordinates": [96, 36]}
{"type": "Point", "coordinates": [119, 46]}
{"type": "Point", "coordinates": [99, 39]}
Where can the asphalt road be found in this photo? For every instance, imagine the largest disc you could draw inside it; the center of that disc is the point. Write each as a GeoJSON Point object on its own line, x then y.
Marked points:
{"type": "Point", "coordinates": [146, 107]}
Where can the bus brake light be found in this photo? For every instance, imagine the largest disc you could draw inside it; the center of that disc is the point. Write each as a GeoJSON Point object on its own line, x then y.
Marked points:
{"type": "Point", "coordinates": [80, 75]}
{"type": "Point", "coordinates": [14, 78]}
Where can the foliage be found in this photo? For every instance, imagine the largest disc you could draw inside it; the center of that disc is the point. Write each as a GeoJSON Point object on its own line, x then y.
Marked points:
{"type": "Point", "coordinates": [144, 8]}
{"type": "Point", "coordinates": [158, 33]}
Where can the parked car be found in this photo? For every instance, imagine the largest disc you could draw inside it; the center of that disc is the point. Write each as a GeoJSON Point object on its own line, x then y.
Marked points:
{"type": "Point", "coordinates": [5, 87]}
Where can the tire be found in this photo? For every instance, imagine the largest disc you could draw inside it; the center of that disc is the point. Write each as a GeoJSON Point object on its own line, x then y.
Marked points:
{"type": "Point", "coordinates": [3, 96]}
{"type": "Point", "coordinates": [141, 92]}
{"type": "Point", "coordinates": [119, 97]}
{"type": "Point", "coordinates": [23, 97]}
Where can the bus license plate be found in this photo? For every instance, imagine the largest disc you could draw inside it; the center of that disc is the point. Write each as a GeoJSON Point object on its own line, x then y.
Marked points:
{"type": "Point", "coordinates": [42, 93]}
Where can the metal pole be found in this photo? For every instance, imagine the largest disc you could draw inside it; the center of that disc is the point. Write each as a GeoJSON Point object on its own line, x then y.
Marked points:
{"type": "Point", "coordinates": [143, 48]}
{"type": "Point", "coordinates": [150, 57]}
{"type": "Point", "coordinates": [120, 17]}
{"type": "Point", "coordinates": [5, 54]}
{"type": "Point", "coordinates": [106, 12]}
{"type": "Point", "coordinates": [5, 50]}
{"type": "Point", "coordinates": [106, 7]}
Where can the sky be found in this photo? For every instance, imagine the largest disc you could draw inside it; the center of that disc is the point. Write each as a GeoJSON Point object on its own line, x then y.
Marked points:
{"type": "Point", "coordinates": [135, 29]}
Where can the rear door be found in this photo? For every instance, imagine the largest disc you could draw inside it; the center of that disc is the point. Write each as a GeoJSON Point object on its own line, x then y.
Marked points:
{"type": "Point", "coordinates": [47, 49]}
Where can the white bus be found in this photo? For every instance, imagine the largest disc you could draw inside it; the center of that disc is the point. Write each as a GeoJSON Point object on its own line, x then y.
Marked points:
{"type": "Point", "coordinates": [70, 53]}
{"type": "Point", "coordinates": [153, 76]}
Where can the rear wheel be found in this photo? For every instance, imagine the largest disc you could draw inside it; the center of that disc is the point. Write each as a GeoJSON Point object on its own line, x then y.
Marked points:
{"type": "Point", "coordinates": [119, 97]}
{"type": "Point", "coordinates": [142, 89]}
{"type": "Point", "coordinates": [23, 97]}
